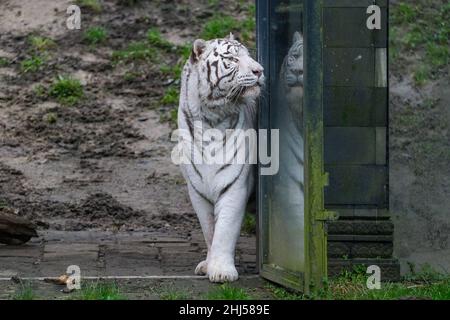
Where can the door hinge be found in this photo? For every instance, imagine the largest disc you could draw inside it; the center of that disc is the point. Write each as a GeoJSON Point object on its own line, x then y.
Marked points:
{"type": "Point", "coordinates": [327, 215]}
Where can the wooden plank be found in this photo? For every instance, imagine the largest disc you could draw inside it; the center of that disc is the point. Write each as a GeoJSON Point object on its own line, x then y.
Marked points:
{"type": "Point", "coordinates": [356, 185]}
{"type": "Point", "coordinates": [339, 23]}
{"type": "Point", "coordinates": [349, 67]}
{"type": "Point", "coordinates": [350, 145]}
{"type": "Point", "coordinates": [355, 106]}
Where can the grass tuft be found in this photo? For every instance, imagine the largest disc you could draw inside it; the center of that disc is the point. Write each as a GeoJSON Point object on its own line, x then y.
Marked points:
{"type": "Point", "coordinates": [4, 62]}
{"type": "Point", "coordinates": [351, 285]}
{"type": "Point", "coordinates": [136, 51]}
{"type": "Point", "coordinates": [41, 44]}
{"type": "Point", "coordinates": [228, 292]}
{"type": "Point", "coordinates": [171, 96]}
{"type": "Point", "coordinates": [95, 35]}
{"type": "Point", "coordinates": [66, 90]}
{"type": "Point", "coordinates": [174, 295]}
{"type": "Point", "coordinates": [249, 223]}
{"type": "Point", "coordinates": [421, 75]}
{"type": "Point", "coordinates": [32, 64]}
{"type": "Point", "coordinates": [424, 33]}
{"type": "Point", "coordinates": [93, 5]}
{"type": "Point", "coordinates": [219, 26]}
{"type": "Point", "coordinates": [101, 291]}
{"type": "Point", "coordinates": [438, 55]}
{"type": "Point", "coordinates": [51, 117]}
{"type": "Point", "coordinates": [155, 39]}
{"type": "Point", "coordinates": [25, 292]}
{"type": "Point", "coordinates": [405, 13]}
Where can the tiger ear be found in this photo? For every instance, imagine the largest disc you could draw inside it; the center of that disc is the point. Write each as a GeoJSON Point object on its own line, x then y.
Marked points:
{"type": "Point", "coordinates": [298, 37]}
{"type": "Point", "coordinates": [231, 36]}
{"type": "Point", "coordinates": [197, 49]}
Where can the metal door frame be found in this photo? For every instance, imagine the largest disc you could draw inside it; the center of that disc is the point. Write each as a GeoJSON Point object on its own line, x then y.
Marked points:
{"type": "Point", "coordinates": [315, 178]}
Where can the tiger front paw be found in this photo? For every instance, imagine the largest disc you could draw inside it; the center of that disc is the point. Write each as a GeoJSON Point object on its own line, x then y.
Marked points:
{"type": "Point", "coordinates": [222, 272]}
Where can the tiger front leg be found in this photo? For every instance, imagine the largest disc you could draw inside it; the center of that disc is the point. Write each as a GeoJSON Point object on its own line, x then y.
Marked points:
{"type": "Point", "coordinates": [229, 211]}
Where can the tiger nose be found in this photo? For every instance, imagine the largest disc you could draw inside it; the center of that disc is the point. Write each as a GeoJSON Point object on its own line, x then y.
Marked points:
{"type": "Point", "coordinates": [257, 72]}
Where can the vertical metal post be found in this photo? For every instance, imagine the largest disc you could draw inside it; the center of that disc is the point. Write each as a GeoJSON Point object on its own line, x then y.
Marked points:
{"type": "Point", "coordinates": [262, 41]}
{"type": "Point", "coordinates": [315, 179]}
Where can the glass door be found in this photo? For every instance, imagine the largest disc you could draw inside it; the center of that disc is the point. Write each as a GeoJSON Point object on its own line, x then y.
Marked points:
{"type": "Point", "coordinates": [292, 243]}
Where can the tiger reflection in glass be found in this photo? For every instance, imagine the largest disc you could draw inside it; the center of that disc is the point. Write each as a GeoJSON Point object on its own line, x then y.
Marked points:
{"type": "Point", "coordinates": [288, 200]}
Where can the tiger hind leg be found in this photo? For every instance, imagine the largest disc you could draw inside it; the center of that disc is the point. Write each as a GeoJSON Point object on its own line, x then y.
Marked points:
{"type": "Point", "coordinates": [205, 213]}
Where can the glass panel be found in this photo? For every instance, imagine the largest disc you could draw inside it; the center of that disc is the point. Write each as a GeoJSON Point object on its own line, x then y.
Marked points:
{"type": "Point", "coordinates": [286, 204]}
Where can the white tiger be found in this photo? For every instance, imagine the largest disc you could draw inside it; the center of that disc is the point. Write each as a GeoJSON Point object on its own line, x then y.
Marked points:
{"type": "Point", "coordinates": [219, 87]}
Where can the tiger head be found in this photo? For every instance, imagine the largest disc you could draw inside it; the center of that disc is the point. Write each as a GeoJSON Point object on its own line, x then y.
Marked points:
{"type": "Point", "coordinates": [226, 72]}
{"type": "Point", "coordinates": [293, 73]}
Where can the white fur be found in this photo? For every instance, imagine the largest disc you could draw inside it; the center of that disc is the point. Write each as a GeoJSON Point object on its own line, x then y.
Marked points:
{"type": "Point", "coordinates": [220, 216]}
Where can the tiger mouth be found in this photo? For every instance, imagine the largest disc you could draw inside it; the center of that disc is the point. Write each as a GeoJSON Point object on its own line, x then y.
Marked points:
{"type": "Point", "coordinates": [249, 89]}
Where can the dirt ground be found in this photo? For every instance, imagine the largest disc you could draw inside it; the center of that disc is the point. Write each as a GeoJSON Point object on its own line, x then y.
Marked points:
{"type": "Point", "coordinates": [100, 177]}
{"type": "Point", "coordinates": [419, 142]}
{"type": "Point", "coordinates": [105, 163]}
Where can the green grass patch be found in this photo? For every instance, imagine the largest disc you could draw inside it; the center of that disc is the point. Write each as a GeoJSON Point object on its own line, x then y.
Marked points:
{"type": "Point", "coordinates": [281, 293]}
{"type": "Point", "coordinates": [132, 75]}
{"type": "Point", "coordinates": [32, 64]}
{"type": "Point", "coordinates": [4, 62]}
{"type": "Point", "coordinates": [352, 285]}
{"type": "Point", "coordinates": [249, 223]}
{"type": "Point", "coordinates": [438, 55]}
{"type": "Point", "coordinates": [136, 51]}
{"type": "Point", "coordinates": [413, 39]}
{"type": "Point", "coordinates": [174, 295]}
{"type": "Point", "coordinates": [424, 31]}
{"type": "Point", "coordinates": [25, 292]}
{"type": "Point", "coordinates": [174, 115]}
{"type": "Point", "coordinates": [228, 292]}
{"type": "Point", "coordinates": [41, 44]}
{"type": "Point", "coordinates": [185, 51]}
{"type": "Point", "coordinates": [220, 26]}
{"type": "Point", "coordinates": [51, 118]}
{"type": "Point", "coordinates": [173, 71]}
{"type": "Point", "coordinates": [404, 13]}
{"type": "Point", "coordinates": [213, 3]}
{"type": "Point", "coordinates": [171, 96]}
{"type": "Point", "coordinates": [95, 35]}
{"type": "Point", "coordinates": [421, 75]}
{"type": "Point", "coordinates": [100, 291]}
{"type": "Point", "coordinates": [66, 90]}
{"type": "Point", "coordinates": [155, 38]}
{"type": "Point", "coordinates": [40, 91]}
{"type": "Point", "coordinates": [93, 5]}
